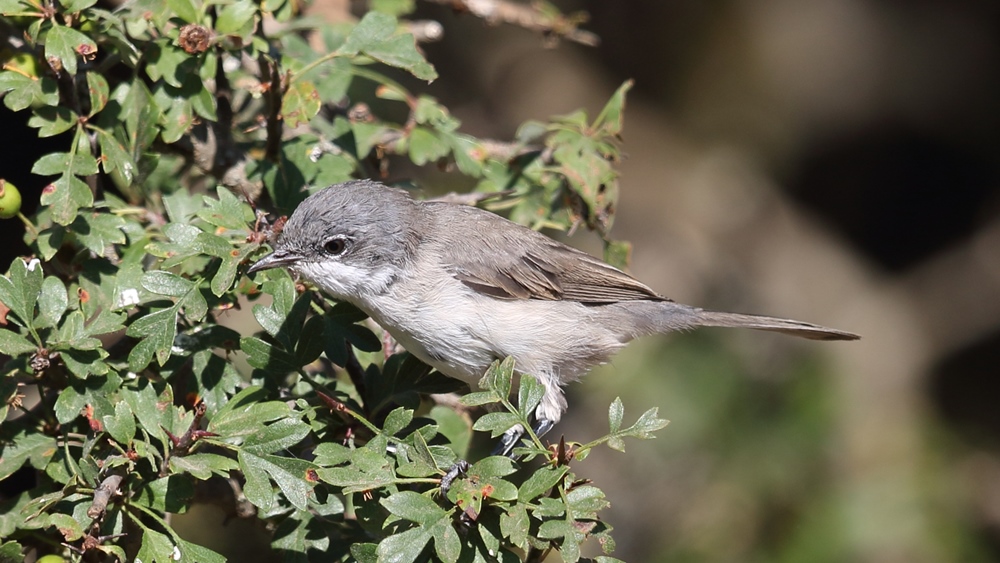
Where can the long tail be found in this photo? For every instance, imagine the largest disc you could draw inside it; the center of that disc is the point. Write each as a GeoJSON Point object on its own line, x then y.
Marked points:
{"type": "Point", "coordinates": [760, 322]}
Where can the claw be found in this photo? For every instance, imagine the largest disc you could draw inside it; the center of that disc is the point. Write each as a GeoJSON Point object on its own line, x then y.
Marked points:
{"type": "Point", "coordinates": [458, 468]}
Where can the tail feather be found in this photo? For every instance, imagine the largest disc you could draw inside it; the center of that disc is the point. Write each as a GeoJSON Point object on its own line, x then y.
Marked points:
{"type": "Point", "coordinates": [774, 324]}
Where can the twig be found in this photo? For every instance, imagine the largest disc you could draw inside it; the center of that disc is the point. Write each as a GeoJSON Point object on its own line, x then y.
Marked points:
{"type": "Point", "coordinates": [553, 26]}
{"type": "Point", "coordinates": [102, 495]}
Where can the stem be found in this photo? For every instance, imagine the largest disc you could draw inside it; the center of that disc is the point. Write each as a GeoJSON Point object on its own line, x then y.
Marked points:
{"type": "Point", "coordinates": [28, 225]}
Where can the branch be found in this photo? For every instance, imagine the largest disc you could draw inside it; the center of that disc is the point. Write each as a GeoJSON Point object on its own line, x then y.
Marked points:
{"type": "Point", "coordinates": [554, 26]}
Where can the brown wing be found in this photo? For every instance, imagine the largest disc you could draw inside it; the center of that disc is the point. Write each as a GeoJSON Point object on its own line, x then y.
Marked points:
{"type": "Point", "coordinates": [505, 260]}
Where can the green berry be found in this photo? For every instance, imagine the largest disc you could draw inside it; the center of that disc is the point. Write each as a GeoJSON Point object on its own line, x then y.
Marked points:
{"type": "Point", "coordinates": [10, 200]}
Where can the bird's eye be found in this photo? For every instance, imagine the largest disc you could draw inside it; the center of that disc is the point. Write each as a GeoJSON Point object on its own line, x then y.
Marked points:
{"type": "Point", "coordinates": [335, 245]}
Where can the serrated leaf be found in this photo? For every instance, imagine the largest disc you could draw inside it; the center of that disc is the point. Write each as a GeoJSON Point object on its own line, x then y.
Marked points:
{"type": "Point", "coordinates": [166, 283]}
{"type": "Point", "coordinates": [426, 146]}
{"type": "Point", "coordinates": [615, 413]}
{"type": "Point", "coordinates": [234, 17]}
{"type": "Point", "coordinates": [52, 302]}
{"type": "Point", "coordinates": [56, 164]}
{"type": "Point", "coordinates": [185, 9]}
{"type": "Point", "coordinates": [283, 434]}
{"type": "Point", "coordinates": [155, 547]}
{"type": "Point", "coordinates": [34, 448]}
{"type": "Point", "coordinates": [414, 507]}
{"type": "Point", "coordinates": [65, 197]}
{"type": "Point", "coordinates": [397, 420]}
{"type": "Point", "coordinates": [300, 103]}
{"type": "Point", "coordinates": [268, 357]}
{"type": "Point", "coordinates": [204, 465]}
{"type": "Point", "coordinates": [121, 426]}
{"type": "Point", "coordinates": [586, 501]}
{"type": "Point", "coordinates": [529, 394]}
{"type": "Point", "coordinates": [13, 344]}
{"type": "Point", "coordinates": [226, 211]}
{"type": "Point", "coordinates": [493, 466]}
{"type": "Point", "coordinates": [540, 481]}
{"type": "Point", "coordinates": [66, 44]}
{"type": "Point", "coordinates": [514, 525]}
{"type": "Point", "coordinates": [404, 547]}
{"type": "Point", "coordinates": [496, 422]}
{"type": "Point", "coordinates": [20, 291]}
{"type": "Point", "coordinates": [25, 91]}
{"type": "Point", "coordinates": [289, 474]}
{"type": "Point", "coordinates": [97, 88]}
{"type": "Point", "coordinates": [114, 157]}
{"type": "Point", "coordinates": [97, 231]}
{"type": "Point", "coordinates": [611, 117]}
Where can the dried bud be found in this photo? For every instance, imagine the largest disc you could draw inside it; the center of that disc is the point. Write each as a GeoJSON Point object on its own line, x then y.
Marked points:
{"type": "Point", "coordinates": [194, 38]}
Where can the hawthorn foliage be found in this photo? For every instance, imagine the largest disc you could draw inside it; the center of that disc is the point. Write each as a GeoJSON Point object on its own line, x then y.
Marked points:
{"type": "Point", "coordinates": [126, 389]}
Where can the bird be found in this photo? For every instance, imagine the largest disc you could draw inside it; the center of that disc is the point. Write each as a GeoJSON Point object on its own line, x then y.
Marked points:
{"type": "Point", "coordinates": [460, 287]}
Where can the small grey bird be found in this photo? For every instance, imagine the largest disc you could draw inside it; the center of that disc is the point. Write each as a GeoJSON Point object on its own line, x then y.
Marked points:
{"type": "Point", "coordinates": [460, 287]}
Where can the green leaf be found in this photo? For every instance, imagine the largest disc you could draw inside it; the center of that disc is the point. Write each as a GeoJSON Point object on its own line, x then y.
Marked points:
{"type": "Point", "coordinates": [56, 164]}
{"type": "Point", "coordinates": [13, 344]}
{"type": "Point", "coordinates": [404, 547]}
{"type": "Point", "coordinates": [98, 231]}
{"type": "Point", "coordinates": [615, 413]}
{"type": "Point", "coordinates": [235, 17]}
{"type": "Point", "coordinates": [374, 37]}
{"type": "Point", "coordinates": [52, 302]}
{"type": "Point", "coordinates": [514, 525]}
{"type": "Point", "coordinates": [185, 9]}
{"type": "Point", "coordinates": [52, 120]}
{"type": "Point", "coordinates": [65, 197]}
{"type": "Point", "coordinates": [289, 474]}
{"type": "Point", "coordinates": [166, 283]}
{"type": "Point", "coordinates": [283, 434]}
{"type": "Point", "coordinates": [114, 157]}
{"type": "Point", "coordinates": [447, 544]}
{"type": "Point", "coordinates": [121, 426]}
{"type": "Point", "coordinates": [204, 465]}
{"type": "Point", "coordinates": [97, 88]}
{"type": "Point", "coordinates": [267, 357]}
{"type": "Point", "coordinates": [10, 552]}
{"type": "Point", "coordinates": [34, 448]}
{"type": "Point", "coordinates": [26, 91]}
{"type": "Point", "coordinates": [586, 501]}
{"type": "Point", "coordinates": [496, 422]}
{"type": "Point", "coordinates": [245, 413]}
{"type": "Point", "coordinates": [20, 292]}
{"type": "Point", "coordinates": [155, 547]}
{"type": "Point", "coordinates": [426, 146]}
{"type": "Point", "coordinates": [493, 466]}
{"type": "Point", "coordinates": [540, 481]}
{"type": "Point", "coordinates": [643, 428]}
{"type": "Point", "coordinates": [159, 329]}
{"type": "Point", "coordinates": [73, 6]}
{"type": "Point", "coordinates": [397, 420]}
{"type": "Point", "coordinates": [168, 494]}
{"type": "Point", "coordinates": [414, 507]}
{"type": "Point", "coordinates": [300, 103]}
{"type": "Point", "coordinates": [66, 43]}
{"type": "Point", "coordinates": [529, 394]}
{"type": "Point", "coordinates": [228, 211]}
{"type": "Point", "coordinates": [611, 118]}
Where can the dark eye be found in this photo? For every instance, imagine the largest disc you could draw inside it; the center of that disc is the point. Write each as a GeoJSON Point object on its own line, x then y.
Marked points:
{"type": "Point", "coordinates": [335, 245]}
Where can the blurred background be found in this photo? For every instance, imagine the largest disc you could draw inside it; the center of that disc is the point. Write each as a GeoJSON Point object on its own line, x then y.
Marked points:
{"type": "Point", "coordinates": [832, 161]}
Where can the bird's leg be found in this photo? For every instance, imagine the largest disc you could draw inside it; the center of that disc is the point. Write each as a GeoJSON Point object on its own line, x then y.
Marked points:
{"type": "Point", "coordinates": [508, 440]}
{"type": "Point", "coordinates": [456, 469]}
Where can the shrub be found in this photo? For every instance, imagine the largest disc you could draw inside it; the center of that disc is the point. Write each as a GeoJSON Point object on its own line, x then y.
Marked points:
{"type": "Point", "coordinates": [184, 123]}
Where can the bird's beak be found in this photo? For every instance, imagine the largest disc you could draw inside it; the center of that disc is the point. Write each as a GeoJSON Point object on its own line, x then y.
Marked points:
{"type": "Point", "coordinates": [274, 260]}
